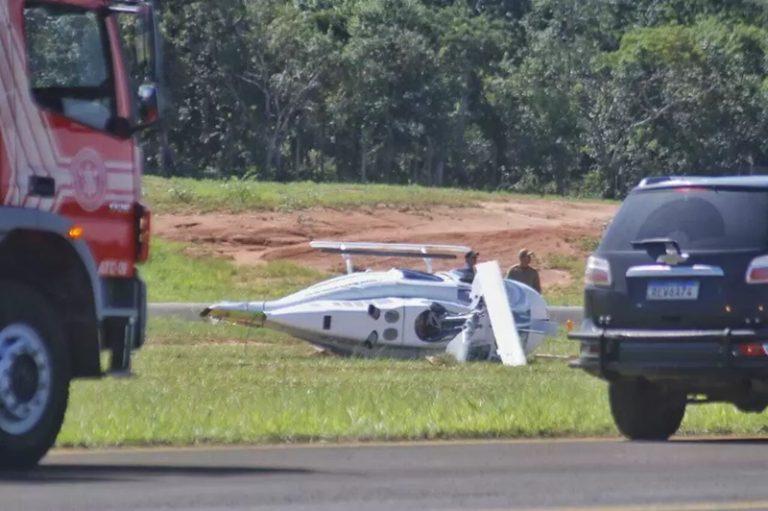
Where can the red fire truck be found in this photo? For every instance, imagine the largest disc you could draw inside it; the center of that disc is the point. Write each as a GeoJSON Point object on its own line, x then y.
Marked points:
{"type": "Point", "coordinates": [72, 226]}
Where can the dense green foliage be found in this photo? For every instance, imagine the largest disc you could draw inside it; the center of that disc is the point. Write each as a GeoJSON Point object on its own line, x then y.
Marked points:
{"type": "Point", "coordinates": [548, 95]}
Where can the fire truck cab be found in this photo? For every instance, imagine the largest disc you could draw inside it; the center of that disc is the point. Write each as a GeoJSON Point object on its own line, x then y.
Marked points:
{"type": "Point", "coordinates": [72, 225]}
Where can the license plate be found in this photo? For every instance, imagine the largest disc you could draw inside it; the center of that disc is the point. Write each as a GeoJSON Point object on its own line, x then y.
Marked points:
{"type": "Point", "coordinates": [672, 290]}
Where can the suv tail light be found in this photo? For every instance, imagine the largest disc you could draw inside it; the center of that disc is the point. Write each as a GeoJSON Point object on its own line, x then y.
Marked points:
{"type": "Point", "coordinates": [143, 224]}
{"type": "Point", "coordinates": [751, 349]}
{"type": "Point", "coordinates": [757, 273]}
{"type": "Point", "coordinates": [597, 272]}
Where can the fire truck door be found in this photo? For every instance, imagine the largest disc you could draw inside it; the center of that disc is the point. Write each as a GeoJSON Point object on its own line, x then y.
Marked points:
{"type": "Point", "coordinates": [7, 100]}
{"type": "Point", "coordinates": [78, 85]}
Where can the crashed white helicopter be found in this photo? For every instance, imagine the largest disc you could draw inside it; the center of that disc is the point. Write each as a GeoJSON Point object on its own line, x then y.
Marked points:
{"type": "Point", "coordinates": [406, 313]}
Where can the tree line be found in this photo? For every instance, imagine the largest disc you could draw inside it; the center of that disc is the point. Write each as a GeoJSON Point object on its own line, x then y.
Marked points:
{"type": "Point", "coordinates": [558, 96]}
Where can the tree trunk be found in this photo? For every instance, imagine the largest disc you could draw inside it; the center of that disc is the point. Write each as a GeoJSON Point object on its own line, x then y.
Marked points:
{"type": "Point", "coordinates": [275, 157]}
{"type": "Point", "coordinates": [167, 158]}
{"type": "Point", "coordinates": [270, 155]}
{"type": "Point", "coordinates": [461, 127]}
{"type": "Point", "coordinates": [389, 154]}
{"type": "Point", "coordinates": [282, 176]}
{"type": "Point", "coordinates": [363, 157]}
{"type": "Point", "coordinates": [429, 157]}
{"type": "Point", "coordinates": [322, 152]}
{"type": "Point", "coordinates": [297, 155]}
{"type": "Point", "coordinates": [439, 172]}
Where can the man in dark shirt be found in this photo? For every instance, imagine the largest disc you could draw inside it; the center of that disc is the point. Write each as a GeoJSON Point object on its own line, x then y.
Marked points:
{"type": "Point", "coordinates": [467, 274]}
{"type": "Point", "coordinates": [524, 272]}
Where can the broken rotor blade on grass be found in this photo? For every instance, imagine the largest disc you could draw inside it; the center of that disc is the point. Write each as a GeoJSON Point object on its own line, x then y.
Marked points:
{"type": "Point", "coordinates": [491, 286]}
{"type": "Point", "coordinates": [491, 329]}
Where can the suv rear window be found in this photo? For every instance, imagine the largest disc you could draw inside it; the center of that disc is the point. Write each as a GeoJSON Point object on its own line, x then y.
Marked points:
{"type": "Point", "coordinates": [697, 218]}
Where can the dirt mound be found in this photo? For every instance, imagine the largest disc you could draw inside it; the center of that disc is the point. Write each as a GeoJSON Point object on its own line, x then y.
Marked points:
{"type": "Point", "coordinates": [496, 229]}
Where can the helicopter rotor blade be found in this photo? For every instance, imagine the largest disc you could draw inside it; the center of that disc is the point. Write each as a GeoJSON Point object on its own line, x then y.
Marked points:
{"type": "Point", "coordinates": [490, 286]}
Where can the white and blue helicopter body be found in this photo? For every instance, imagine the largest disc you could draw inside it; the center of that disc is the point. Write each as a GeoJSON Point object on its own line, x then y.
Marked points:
{"type": "Point", "coordinates": [406, 313]}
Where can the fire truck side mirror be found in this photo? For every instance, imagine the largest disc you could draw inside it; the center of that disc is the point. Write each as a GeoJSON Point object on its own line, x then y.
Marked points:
{"type": "Point", "coordinates": [149, 111]}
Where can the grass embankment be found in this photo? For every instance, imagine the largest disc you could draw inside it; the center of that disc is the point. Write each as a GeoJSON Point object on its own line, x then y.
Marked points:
{"type": "Point", "coordinates": [573, 292]}
{"type": "Point", "coordinates": [173, 275]}
{"type": "Point", "coordinates": [199, 383]}
{"type": "Point", "coordinates": [183, 195]}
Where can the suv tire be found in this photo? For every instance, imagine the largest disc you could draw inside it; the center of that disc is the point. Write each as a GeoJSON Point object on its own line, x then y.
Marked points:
{"type": "Point", "coordinates": [34, 375]}
{"type": "Point", "coordinates": [645, 411]}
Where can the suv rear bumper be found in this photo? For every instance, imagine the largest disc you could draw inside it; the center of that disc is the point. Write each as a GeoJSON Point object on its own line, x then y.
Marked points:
{"type": "Point", "coordinates": [708, 357]}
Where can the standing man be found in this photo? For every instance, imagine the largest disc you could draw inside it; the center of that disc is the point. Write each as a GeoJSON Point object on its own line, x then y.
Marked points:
{"type": "Point", "coordinates": [524, 272]}
{"type": "Point", "coordinates": [467, 274]}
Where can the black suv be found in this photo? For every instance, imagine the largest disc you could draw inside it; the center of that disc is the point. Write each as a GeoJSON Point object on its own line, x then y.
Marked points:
{"type": "Point", "coordinates": [676, 301]}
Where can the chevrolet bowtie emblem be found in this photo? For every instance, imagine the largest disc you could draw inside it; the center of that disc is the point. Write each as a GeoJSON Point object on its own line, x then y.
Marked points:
{"type": "Point", "coordinates": [672, 257]}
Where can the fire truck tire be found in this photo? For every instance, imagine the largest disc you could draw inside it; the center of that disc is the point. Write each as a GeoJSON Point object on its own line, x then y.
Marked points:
{"type": "Point", "coordinates": [34, 375]}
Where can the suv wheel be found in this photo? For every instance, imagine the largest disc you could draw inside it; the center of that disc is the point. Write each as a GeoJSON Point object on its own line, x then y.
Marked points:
{"type": "Point", "coordinates": [644, 410]}
{"type": "Point", "coordinates": [34, 376]}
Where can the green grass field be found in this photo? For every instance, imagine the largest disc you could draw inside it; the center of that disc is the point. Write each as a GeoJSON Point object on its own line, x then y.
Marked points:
{"type": "Point", "coordinates": [180, 195]}
{"type": "Point", "coordinates": [173, 275]}
{"type": "Point", "coordinates": [197, 383]}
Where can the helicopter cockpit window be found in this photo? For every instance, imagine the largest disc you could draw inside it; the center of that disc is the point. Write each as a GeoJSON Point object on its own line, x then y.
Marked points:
{"type": "Point", "coordinates": [419, 275]}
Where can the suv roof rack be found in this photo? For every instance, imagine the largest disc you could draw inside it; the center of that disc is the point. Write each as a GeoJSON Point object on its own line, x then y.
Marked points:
{"type": "Point", "coordinates": [740, 181]}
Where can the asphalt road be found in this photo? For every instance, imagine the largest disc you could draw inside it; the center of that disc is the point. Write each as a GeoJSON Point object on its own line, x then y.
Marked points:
{"type": "Point", "coordinates": [607, 475]}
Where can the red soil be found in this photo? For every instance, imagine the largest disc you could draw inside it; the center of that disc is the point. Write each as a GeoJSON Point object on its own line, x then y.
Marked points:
{"type": "Point", "coordinates": [496, 229]}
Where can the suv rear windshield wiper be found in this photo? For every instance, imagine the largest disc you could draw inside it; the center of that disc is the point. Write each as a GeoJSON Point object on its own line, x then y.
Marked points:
{"type": "Point", "coordinates": [657, 246]}
{"type": "Point", "coordinates": [653, 242]}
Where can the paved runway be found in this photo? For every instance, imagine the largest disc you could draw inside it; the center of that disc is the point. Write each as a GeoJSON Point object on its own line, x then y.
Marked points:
{"type": "Point", "coordinates": [607, 475]}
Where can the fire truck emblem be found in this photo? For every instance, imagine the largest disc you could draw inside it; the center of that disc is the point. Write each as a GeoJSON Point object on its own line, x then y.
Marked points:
{"type": "Point", "coordinates": [90, 179]}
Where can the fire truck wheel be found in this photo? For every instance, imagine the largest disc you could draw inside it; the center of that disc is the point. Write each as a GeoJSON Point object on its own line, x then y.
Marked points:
{"type": "Point", "coordinates": [34, 376]}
